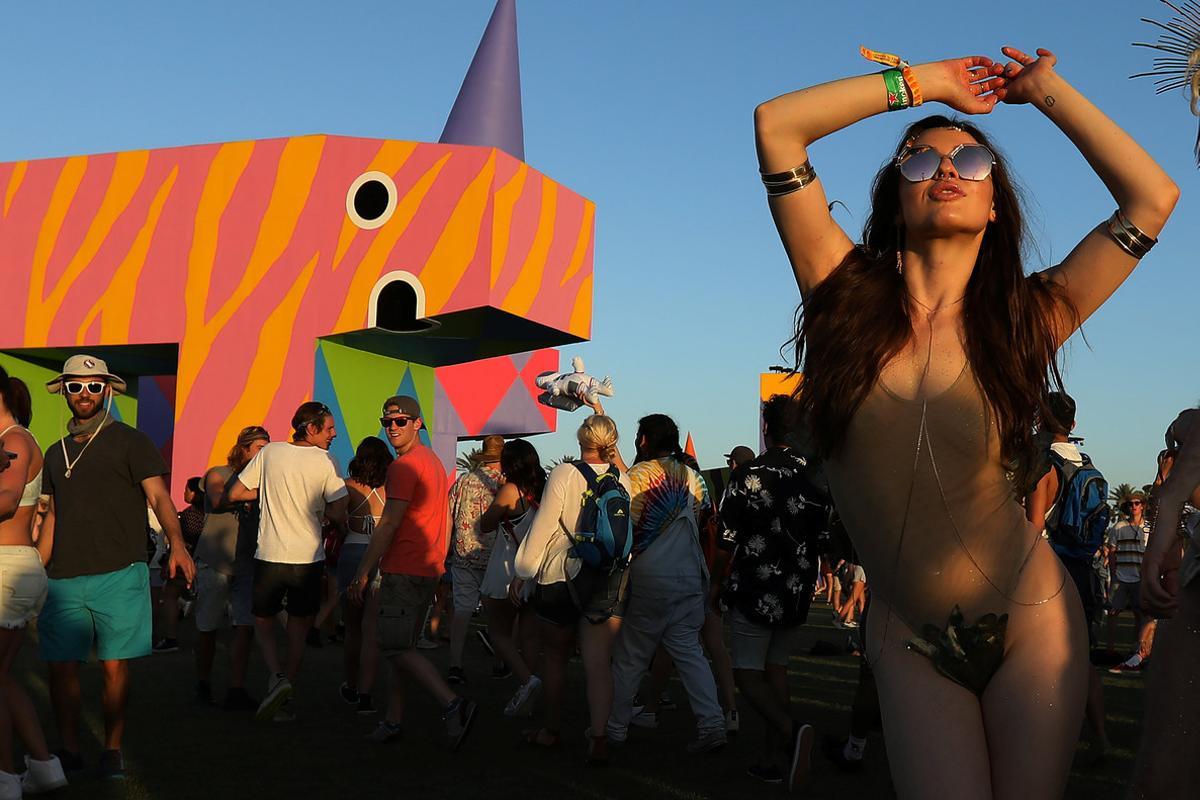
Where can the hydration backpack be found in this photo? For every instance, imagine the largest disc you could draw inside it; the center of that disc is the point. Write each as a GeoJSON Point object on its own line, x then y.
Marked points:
{"type": "Point", "coordinates": [1080, 518]}
{"type": "Point", "coordinates": [604, 535]}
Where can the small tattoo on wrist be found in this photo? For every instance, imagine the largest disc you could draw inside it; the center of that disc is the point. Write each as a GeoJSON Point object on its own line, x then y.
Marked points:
{"type": "Point", "coordinates": [1049, 100]}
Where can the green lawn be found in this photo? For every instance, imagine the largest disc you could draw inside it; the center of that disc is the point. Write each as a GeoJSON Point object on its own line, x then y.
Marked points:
{"type": "Point", "coordinates": [176, 750]}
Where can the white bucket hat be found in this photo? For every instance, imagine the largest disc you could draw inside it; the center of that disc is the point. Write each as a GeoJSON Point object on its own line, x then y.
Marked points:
{"type": "Point", "coordinates": [85, 366]}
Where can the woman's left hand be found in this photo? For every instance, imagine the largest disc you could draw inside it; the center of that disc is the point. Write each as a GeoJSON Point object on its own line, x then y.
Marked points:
{"type": "Point", "coordinates": [1023, 74]}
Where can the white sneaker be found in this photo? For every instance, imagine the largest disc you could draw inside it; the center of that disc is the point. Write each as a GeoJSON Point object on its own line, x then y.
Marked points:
{"type": "Point", "coordinates": [10, 786]}
{"type": "Point", "coordinates": [43, 776]}
{"type": "Point", "coordinates": [425, 643]}
{"type": "Point", "coordinates": [279, 691]}
{"type": "Point", "coordinates": [522, 702]}
{"type": "Point", "coordinates": [644, 719]}
{"type": "Point", "coordinates": [285, 713]}
{"type": "Point", "coordinates": [733, 721]}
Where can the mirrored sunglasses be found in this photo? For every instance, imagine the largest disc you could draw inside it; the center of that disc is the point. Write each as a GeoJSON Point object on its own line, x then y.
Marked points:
{"type": "Point", "coordinates": [972, 162]}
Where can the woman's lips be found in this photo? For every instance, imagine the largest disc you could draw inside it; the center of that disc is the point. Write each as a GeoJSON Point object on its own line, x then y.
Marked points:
{"type": "Point", "coordinates": [946, 190]}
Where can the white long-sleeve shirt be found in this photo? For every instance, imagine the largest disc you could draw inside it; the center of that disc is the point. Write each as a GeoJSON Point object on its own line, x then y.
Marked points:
{"type": "Point", "coordinates": [544, 553]}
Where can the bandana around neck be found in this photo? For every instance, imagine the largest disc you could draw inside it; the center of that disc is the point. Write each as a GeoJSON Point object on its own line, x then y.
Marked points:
{"type": "Point", "coordinates": [88, 427]}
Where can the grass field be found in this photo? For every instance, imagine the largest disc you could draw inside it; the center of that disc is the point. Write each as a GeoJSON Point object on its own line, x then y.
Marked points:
{"type": "Point", "coordinates": [176, 750]}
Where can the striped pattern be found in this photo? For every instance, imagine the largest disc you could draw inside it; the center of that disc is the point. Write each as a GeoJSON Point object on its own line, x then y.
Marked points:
{"type": "Point", "coordinates": [242, 253]}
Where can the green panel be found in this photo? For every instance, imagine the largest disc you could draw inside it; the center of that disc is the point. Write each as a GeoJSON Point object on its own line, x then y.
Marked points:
{"type": "Point", "coordinates": [362, 381]}
{"type": "Point", "coordinates": [49, 411]}
{"type": "Point", "coordinates": [423, 379]}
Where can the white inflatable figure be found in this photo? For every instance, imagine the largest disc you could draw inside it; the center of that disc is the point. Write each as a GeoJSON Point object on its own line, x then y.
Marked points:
{"type": "Point", "coordinates": [563, 391]}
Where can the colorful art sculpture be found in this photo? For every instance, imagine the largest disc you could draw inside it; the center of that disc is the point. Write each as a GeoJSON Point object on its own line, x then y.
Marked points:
{"type": "Point", "coordinates": [231, 282]}
{"type": "Point", "coordinates": [1179, 68]}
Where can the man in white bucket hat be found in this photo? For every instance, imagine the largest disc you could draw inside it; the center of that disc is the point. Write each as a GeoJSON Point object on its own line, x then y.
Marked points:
{"type": "Point", "coordinates": [100, 479]}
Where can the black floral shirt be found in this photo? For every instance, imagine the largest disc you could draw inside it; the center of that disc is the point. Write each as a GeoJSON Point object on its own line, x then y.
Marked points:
{"type": "Point", "coordinates": [774, 520]}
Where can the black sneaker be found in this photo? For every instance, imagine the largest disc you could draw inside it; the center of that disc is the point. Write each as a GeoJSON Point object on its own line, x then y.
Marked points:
{"type": "Point", "coordinates": [238, 699]}
{"type": "Point", "coordinates": [455, 676]}
{"type": "Point", "coordinates": [165, 646]}
{"type": "Point", "coordinates": [501, 671]}
{"type": "Point", "coordinates": [204, 693]}
{"type": "Point", "coordinates": [835, 751]}
{"type": "Point", "coordinates": [71, 762]}
{"type": "Point", "coordinates": [458, 718]}
{"type": "Point", "coordinates": [349, 696]}
{"type": "Point", "coordinates": [386, 732]}
{"type": "Point", "coordinates": [767, 774]}
{"type": "Point", "coordinates": [365, 704]}
{"type": "Point", "coordinates": [112, 766]}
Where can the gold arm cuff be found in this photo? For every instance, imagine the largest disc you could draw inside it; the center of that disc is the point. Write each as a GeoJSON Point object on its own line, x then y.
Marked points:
{"type": "Point", "coordinates": [1129, 237]}
{"type": "Point", "coordinates": [794, 179]}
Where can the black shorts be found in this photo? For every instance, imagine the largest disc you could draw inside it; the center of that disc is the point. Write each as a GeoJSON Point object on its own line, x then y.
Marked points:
{"type": "Point", "coordinates": [590, 595]}
{"type": "Point", "coordinates": [299, 584]}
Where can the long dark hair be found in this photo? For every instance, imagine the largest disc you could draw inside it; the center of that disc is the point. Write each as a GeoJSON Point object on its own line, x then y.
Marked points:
{"type": "Point", "coordinates": [370, 463]}
{"type": "Point", "coordinates": [853, 322]}
{"type": "Point", "coordinates": [238, 454]}
{"type": "Point", "coordinates": [661, 435]}
{"type": "Point", "coordinates": [16, 398]}
{"type": "Point", "coordinates": [521, 465]}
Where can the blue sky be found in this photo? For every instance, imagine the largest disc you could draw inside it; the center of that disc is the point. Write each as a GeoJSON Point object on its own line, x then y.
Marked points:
{"type": "Point", "coordinates": [646, 109]}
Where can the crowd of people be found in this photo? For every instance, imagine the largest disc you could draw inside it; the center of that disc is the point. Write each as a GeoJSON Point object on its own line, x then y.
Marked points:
{"type": "Point", "coordinates": [930, 446]}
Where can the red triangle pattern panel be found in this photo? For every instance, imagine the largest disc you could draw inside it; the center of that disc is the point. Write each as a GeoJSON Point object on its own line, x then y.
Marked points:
{"type": "Point", "coordinates": [475, 389]}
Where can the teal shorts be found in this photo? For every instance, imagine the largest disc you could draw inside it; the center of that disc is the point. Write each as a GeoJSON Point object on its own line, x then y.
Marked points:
{"type": "Point", "coordinates": [110, 610]}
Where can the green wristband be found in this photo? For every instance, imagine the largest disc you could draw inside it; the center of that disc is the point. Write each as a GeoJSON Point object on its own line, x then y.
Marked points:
{"type": "Point", "coordinates": [898, 97]}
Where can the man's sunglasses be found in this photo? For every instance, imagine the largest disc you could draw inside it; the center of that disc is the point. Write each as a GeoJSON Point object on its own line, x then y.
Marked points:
{"type": "Point", "coordinates": [77, 387]}
{"type": "Point", "coordinates": [1135, 502]}
{"type": "Point", "coordinates": [395, 422]}
{"type": "Point", "coordinates": [972, 162]}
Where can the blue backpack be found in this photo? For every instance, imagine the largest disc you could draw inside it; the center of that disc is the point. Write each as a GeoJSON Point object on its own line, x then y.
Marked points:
{"type": "Point", "coordinates": [604, 535]}
{"type": "Point", "coordinates": [1080, 518]}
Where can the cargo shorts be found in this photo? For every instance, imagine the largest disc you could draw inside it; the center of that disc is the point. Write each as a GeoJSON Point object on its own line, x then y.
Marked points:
{"type": "Point", "coordinates": [404, 601]}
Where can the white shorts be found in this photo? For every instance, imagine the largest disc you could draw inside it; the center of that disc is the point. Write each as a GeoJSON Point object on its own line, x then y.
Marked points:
{"type": "Point", "coordinates": [755, 646]}
{"type": "Point", "coordinates": [22, 585]}
{"type": "Point", "coordinates": [216, 590]}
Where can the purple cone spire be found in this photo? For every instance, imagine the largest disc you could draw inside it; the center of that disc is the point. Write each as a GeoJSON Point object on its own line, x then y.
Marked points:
{"type": "Point", "coordinates": [487, 110]}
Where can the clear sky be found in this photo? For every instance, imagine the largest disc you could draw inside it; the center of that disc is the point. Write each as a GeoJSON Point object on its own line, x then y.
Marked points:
{"type": "Point", "coordinates": [646, 109]}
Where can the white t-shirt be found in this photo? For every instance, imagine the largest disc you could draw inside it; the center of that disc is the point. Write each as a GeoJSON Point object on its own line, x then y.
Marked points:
{"type": "Point", "coordinates": [294, 482]}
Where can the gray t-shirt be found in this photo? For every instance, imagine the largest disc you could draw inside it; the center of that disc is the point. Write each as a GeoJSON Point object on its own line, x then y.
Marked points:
{"type": "Point", "coordinates": [217, 547]}
{"type": "Point", "coordinates": [100, 511]}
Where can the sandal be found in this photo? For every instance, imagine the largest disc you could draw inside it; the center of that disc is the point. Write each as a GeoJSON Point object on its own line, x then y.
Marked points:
{"type": "Point", "coordinates": [539, 737]}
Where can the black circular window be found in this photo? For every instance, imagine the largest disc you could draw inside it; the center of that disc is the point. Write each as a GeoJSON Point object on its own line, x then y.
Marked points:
{"type": "Point", "coordinates": [371, 200]}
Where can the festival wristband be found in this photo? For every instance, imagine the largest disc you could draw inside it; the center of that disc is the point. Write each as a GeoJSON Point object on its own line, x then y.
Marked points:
{"type": "Point", "coordinates": [897, 92]}
{"type": "Point", "coordinates": [915, 96]}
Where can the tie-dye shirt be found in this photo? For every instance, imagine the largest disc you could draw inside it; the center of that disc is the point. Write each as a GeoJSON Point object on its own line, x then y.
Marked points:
{"type": "Point", "coordinates": [661, 492]}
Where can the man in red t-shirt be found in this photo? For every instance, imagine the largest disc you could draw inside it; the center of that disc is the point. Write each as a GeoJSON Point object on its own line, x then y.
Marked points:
{"type": "Point", "coordinates": [410, 544]}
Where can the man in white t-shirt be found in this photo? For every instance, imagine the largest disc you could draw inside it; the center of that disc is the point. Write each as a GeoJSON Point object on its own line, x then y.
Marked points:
{"type": "Point", "coordinates": [1127, 540]}
{"type": "Point", "coordinates": [297, 485]}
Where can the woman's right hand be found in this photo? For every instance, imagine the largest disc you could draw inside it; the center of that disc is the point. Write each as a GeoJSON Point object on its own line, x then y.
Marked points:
{"type": "Point", "coordinates": [964, 84]}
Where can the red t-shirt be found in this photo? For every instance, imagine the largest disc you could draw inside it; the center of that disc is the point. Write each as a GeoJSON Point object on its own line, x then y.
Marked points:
{"type": "Point", "coordinates": [419, 546]}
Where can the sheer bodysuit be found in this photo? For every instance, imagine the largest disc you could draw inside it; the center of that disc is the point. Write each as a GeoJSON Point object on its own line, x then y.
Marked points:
{"type": "Point", "coordinates": [922, 490]}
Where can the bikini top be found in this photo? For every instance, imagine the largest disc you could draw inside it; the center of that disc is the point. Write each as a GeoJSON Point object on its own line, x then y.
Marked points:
{"type": "Point", "coordinates": [33, 489]}
{"type": "Point", "coordinates": [369, 520]}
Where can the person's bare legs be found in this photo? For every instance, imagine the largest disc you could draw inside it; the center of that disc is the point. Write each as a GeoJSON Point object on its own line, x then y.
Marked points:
{"type": "Point", "coordinates": [65, 697]}
{"type": "Point", "coordinates": [114, 699]}
{"type": "Point", "coordinates": [556, 641]}
{"type": "Point", "coordinates": [411, 665]}
{"type": "Point", "coordinates": [329, 601]}
{"type": "Point", "coordinates": [264, 627]}
{"type": "Point", "coordinates": [713, 636]}
{"type": "Point", "coordinates": [352, 616]}
{"type": "Point", "coordinates": [502, 618]}
{"type": "Point", "coordinates": [1032, 706]}
{"type": "Point", "coordinates": [660, 673]}
{"type": "Point", "coordinates": [933, 727]}
{"type": "Point", "coordinates": [855, 601]}
{"type": "Point", "coordinates": [1146, 636]}
{"type": "Point", "coordinates": [1166, 766]}
{"type": "Point", "coordinates": [595, 646]}
{"type": "Point", "coordinates": [17, 714]}
{"type": "Point", "coordinates": [239, 655]}
{"type": "Point", "coordinates": [369, 660]}
{"type": "Point", "coordinates": [206, 654]}
{"type": "Point", "coordinates": [528, 632]}
{"type": "Point", "coordinates": [297, 633]}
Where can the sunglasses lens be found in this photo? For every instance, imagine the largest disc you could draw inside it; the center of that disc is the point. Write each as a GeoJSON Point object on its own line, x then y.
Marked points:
{"type": "Point", "coordinates": [920, 165]}
{"type": "Point", "coordinates": [973, 162]}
